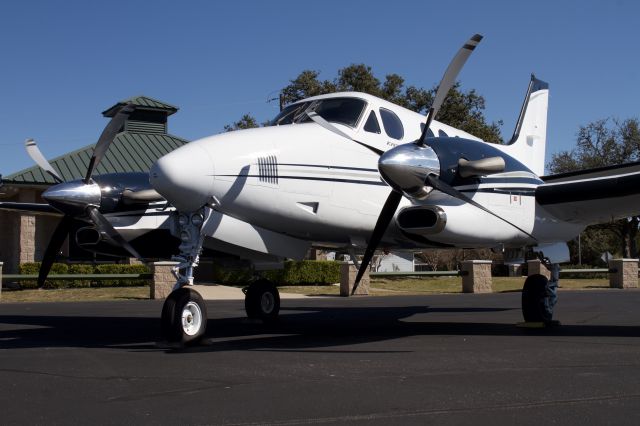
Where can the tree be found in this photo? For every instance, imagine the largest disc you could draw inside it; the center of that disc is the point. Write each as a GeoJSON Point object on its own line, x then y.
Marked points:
{"type": "Point", "coordinates": [604, 143]}
{"type": "Point", "coordinates": [463, 110]}
{"type": "Point", "coordinates": [246, 122]}
{"type": "Point", "coordinates": [306, 84]}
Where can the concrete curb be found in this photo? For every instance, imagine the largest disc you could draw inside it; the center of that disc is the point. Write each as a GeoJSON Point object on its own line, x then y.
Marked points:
{"type": "Point", "coordinates": [223, 292]}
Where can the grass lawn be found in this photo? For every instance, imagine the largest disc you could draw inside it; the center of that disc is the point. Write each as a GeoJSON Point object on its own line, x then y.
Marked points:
{"type": "Point", "coordinates": [432, 285]}
{"type": "Point", "coordinates": [379, 287]}
{"type": "Point", "coordinates": [75, 294]}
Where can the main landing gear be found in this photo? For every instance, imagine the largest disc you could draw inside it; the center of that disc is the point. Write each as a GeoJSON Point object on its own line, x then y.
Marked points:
{"type": "Point", "coordinates": [539, 297]}
{"type": "Point", "coordinates": [262, 300]}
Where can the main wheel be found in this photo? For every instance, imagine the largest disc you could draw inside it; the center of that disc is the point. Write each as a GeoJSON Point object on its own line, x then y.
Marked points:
{"type": "Point", "coordinates": [262, 301]}
{"type": "Point", "coordinates": [535, 305]}
{"type": "Point", "coordinates": [184, 316]}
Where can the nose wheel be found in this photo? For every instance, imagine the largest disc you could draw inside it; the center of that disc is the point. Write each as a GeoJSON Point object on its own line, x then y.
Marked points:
{"type": "Point", "coordinates": [184, 317]}
{"type": "Point", "coordinates": [262, 300]}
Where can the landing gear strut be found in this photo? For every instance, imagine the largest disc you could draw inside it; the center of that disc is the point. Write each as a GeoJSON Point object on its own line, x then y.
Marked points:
{"type": "Point", "coordinates": [262, 300]}
{"type": "Point", "coordinates": [184, 313]}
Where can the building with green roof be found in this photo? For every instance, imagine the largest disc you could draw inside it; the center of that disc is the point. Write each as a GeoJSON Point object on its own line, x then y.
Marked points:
{"type": "Point", "coordinates": [143, 139]}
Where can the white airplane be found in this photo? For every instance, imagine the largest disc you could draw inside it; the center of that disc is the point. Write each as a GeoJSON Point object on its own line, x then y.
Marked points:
{"type": "Point", "coordinates": [352, 171]}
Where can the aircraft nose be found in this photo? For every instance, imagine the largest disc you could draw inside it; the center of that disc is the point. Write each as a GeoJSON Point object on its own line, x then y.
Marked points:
{"type": "Point", "coordinates": [184, 177]}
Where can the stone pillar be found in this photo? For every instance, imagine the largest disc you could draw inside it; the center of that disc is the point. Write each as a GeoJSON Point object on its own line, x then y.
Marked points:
{"type": "Point", "coordinates": [514, 269]}
{"type": "Point", "coordinates": [26, 229]}
{"type": "Point", "coordinates": [27, 235]}
{"type": "Point", "coordinates": [348, 272]}
{"type": "Point", "coordinates": [476, 276]}
{"type": "Point", "coordinates": [537, 267]}
{"type": "Point", "coordinates": [625, 275]}
{"type": "Point", "coordinates": [163, 279]}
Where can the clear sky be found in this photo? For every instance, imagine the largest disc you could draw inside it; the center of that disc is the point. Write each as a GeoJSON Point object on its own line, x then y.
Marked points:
{"type": "Point", "coordinates": [64, 62]}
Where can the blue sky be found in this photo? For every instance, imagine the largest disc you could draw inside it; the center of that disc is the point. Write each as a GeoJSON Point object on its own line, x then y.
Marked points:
{"type": "Point", "coordinates": [65, 62]}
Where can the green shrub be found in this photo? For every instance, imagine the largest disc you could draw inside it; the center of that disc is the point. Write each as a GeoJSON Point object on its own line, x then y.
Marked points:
{"type": "Point", "coordinates": [305, 272]}
{"type": "Point", "coordinates": [121, 269]}
{"type": "Point", "coordinates": [582, 275]}
{"type": "Point", "coordinates": [62, 268]}
{"type": "Point", "coordinates": [78, 268]}
{"type": "Point", "coordinates": [34, 268]}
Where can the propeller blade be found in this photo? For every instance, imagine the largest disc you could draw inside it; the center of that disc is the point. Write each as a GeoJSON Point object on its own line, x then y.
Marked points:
{"type": "Point", "coordinates": [37, 157]}
{"type": "Point", "coordinates": [107, 136]}
{"type": "Point", "coordinates": [388, 210]}
{"type": "Point", "coordinates": [50, 254]}
{"type": "Point", "coordinates": [449, 190]}
{"type": "Point", "coordinates": [104, 226]}
{"type": "Point", "coordinates": [316, 118]}
{"type": "Point", "coordinates": [448, 80]}
{"type": "Point", "coordinates": [324, 123]}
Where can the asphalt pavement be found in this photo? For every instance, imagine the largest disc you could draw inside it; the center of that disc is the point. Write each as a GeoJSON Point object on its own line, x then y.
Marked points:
{"type": "Point", "coordinates": [442, 359]}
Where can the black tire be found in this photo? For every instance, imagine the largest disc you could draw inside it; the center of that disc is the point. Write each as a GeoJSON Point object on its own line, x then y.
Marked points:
{"type": "Point", "coordinates": [184, 317]}
{"type": "Point", "coordinates": [262, 301]}
{"type": "Point", "coordinates": [534, 300]}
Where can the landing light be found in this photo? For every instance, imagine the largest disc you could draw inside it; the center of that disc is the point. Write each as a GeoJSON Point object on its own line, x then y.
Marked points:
{"type": "Point", "coordinates": [183, 220]}
{"type": "Point", "coordinates": [197, 219]}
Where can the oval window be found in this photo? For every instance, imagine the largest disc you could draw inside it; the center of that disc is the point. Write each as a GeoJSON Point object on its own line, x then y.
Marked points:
{"type": "Point", "coordinates": [392, 124]}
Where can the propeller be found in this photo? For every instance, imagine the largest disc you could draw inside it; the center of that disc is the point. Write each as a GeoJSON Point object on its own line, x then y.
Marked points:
{"type": "Point", "coordinates": [448, 79]}
{"type": "Point", "coordinates": [427, 154]}
{"type": "Point", "coordinates": [81, 199]}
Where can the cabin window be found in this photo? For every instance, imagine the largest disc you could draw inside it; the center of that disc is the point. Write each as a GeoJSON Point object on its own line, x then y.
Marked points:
{"type": "Point", "coordinates": [392, 124]}
{"type": "Point", "coordinates": [345, 111]}
{"type": "Point", "coordinates": [372, 125]}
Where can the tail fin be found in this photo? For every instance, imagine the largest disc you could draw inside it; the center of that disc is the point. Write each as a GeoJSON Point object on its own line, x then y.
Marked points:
{"type": "Point", "coordinates": [529, 138]}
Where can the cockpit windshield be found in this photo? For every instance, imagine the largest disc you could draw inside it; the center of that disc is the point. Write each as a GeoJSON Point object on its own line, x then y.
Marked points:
{"type": "Point", "coordinates": [345, 111]}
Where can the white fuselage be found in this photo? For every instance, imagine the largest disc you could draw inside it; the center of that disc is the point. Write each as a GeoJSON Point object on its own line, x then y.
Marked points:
{"type": "Point", "coordinates": [305, 182]}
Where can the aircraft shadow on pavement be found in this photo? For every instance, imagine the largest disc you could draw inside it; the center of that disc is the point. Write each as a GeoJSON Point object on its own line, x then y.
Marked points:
{"type": "Point", "coordinates": [322, 329]}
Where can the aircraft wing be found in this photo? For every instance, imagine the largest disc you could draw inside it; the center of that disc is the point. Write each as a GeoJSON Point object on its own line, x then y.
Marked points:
{"type": "Point", "coordinates": [592, 196]}
{"type": "Point", "coordinates": [33, 208]}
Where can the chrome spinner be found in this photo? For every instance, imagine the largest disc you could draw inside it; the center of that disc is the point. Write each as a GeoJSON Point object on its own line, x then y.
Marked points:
{"type": "Point", "coordinates": [406, 167]}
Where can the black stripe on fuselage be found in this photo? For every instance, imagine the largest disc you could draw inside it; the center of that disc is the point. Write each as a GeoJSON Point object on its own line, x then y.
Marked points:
{"type": "Point", "coordinates": [510, 191]}
{"type": "Point", "coordinates": [319, 166]}
{"type": "Point", "coordinates": [354, 181]}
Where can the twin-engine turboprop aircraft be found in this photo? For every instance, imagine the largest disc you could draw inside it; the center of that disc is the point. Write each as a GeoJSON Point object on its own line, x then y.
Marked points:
{"type": "Point", "coordinates": [349, 171]}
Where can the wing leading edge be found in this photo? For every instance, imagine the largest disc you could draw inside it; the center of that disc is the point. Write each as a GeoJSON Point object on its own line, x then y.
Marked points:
{"type": "Point", "coordinates": [593, 195]}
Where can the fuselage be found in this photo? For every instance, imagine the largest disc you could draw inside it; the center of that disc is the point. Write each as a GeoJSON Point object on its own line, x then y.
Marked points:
{"type": "Point", "coordinates": [298, 179]}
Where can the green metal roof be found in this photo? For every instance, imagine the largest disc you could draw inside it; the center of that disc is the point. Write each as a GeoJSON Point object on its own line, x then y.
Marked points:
{"type": "Point", "coordinates": [129, 152]}
{"type": "Point", "coordinates": [144, 102]}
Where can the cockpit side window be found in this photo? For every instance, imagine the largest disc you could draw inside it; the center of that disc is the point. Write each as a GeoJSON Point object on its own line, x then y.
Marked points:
{"type": "Point", "coordinates": [372, 125]}
{"type": "Point", "coordinates": [287, 115]}
{"type": "Point", "coordinates": [392, 124]}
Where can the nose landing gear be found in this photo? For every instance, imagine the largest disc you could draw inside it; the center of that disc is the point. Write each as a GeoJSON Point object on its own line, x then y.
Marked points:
{"type": "Point", "coordinates": [184, 316]}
